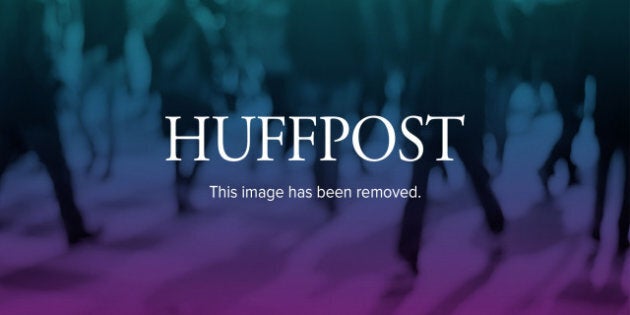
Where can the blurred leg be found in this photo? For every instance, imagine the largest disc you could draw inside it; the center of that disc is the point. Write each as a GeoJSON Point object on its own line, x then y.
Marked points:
{"type": "Point", "coordinates": [323, 99]}
{"type": "Point", "coordinates": [471, 156]}
{"type": "Point", "coordinates": [562, 150]}
{"type": "Point", "coordinates": [181, 105]}
{"type": "Point", "coordinates": [507, 87]}
{"type": "Point", "coordinates": [84, 130]}
{"type": "Point", "coordinates": [276, 86]}
{"type": "Point", "coordinates": [413, 217]}
{"type": "Point", "coordinates": [568, 97]}
{"type": "Point", "coordinates": [603, 166]}
{"type": "Point", "coordinates": [110, 130]}
{"type": "Point", "coordinates": [91, 77]}
{"type": "Point", "coordinates": [182, 186]}
{"type": "Point", "coordinates": [45, 141]}
{"type": "Point", "coordinates": [326, 172]}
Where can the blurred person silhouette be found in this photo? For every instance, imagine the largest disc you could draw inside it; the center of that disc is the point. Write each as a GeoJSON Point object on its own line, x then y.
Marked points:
{"type": "Point", "coordinates": [502, 81]}
{"type": "Point", "coordinates": [605, 55]}
{"type": "Point", "coordinates": [383, 33]}
{"type": "Point", "coordinates": [223, 36]}
{"type": "Point", "coordinates": [376, 27]}
{"type": "Point", "coordinates": [413, 56]}
{"type": "Point", "coordinates": [105, 24]}
{"type": "Point", "coordinates": [28, 120]}
{"type": "Point", "coordinates": [182, 74]}
{"type": "Point", "coordinates": [467, 40]}
{"type": "Point", "coordinates": [416, 48]}
{"type": "Point", "coordinates": [554, 49]}
{"type": "Point", "coordinates": [375, 32]}
{"type": "Point", "coordinates": [273, 54]}
{"type": "Point", "coordinates": [327, 51]}
{"type": "Point", "coordinates": [276, 84]}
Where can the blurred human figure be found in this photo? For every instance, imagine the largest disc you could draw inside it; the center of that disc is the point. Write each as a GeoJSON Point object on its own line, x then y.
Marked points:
{"type": "Point", "coordinates": [467, 40]}
{"type": "Point", "coordinates": [326, 48]}
{"type": "Point", "coordinates": [105, 28]}
{"type": "Point", "coordinates": [605, 55]}
{"type": "Point", "coordinates": [555, 27]}
{"type": "Point", "coordinates": [376, 26]}
{"type": "Point", "coordinates": [181, 74]}
{"type": "Point", "coordinates": [278, 69]}
{"type": "Point", "coordinates": [382, 30]}
{"type": "Point", "coordinates": [414, 56]}
{"type": "Point", "coordinates": [224, 34]}
{"type": "Point", "coordinates": [507, 73]}
{"type": "Point", "coordinates": [27, 105]}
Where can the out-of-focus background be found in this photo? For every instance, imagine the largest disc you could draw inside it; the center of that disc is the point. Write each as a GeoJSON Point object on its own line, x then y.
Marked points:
{"type": "Point", "coordinates": [85, 86]}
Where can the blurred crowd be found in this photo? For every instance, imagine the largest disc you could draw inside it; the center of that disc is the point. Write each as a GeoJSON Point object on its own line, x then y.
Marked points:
{"type": "Point", "coordinates": [317, 57]}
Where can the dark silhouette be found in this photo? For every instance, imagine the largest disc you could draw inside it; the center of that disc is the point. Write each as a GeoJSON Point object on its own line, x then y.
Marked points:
{"type": "Point", "coordinates": [221, 41]}
{"type": "Point", "coordinates": [376, 42]}
{"type": "Point", "coordinates": [27, 105]}
{"type": "Point", "coordinates": [413, 57]}
{"type": "Point", "coordinates": [181, 73]}
{"type": "Point", "coordinates": [327, 52]}
{"type": "Point", "coordinates": [384, 42]}
{"type": "Point", "coordinates": [554, 46]}
{"type": "Point", "coordinates": [467, 41]}
{"type": "Point", "coordinates": [277, 84]}
{"type": "Point", "coordinates": [105, 24]}
{"type": "Point", "coordinates": [607, 58]}
{"type": "Point", "coordinates": [416, 48]}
